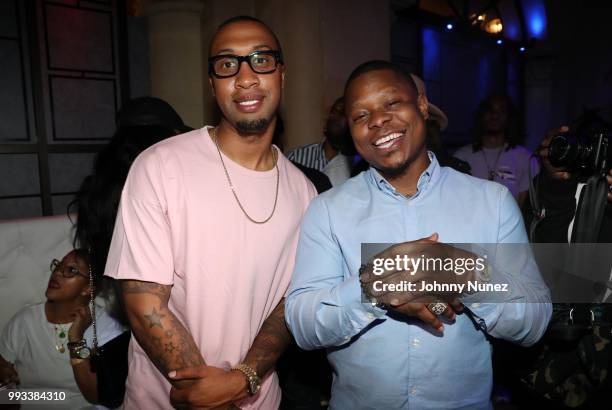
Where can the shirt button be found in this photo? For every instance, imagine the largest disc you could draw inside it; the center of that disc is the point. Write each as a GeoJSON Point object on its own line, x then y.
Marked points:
{"type": "Point", "coordinates": [413, 391]}
{"type": "Point", "coordinates": [416, 342]}
{"type": "Point", "coordinates": [475, 305]}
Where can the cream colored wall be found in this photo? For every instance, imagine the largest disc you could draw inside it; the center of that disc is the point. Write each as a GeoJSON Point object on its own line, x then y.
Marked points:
{"type": "Point", "coordinates": [322, 41]}
{"type": "Point", "coordinates": [175, 47]}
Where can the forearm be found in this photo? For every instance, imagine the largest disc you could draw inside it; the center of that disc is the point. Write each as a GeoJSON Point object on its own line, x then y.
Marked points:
{"type": "Point", "coordinates": [270, 343]}
{"type": "Point", "coordinates": [521, 314]}
{"type": "Point", "coordinates": [159, 332]}
{"type": "Point", "coordinates": [327, 317]}
{"type": "Point", "coordinates": [85, 379]}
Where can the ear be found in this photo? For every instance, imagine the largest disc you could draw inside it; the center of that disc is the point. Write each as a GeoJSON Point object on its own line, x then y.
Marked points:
{"type": "Point", "coordinates": [283, 76]}
{"type": "Point", "coordinates": [212, 86]}
{"type": "Point", "coordinates": [422, 103]}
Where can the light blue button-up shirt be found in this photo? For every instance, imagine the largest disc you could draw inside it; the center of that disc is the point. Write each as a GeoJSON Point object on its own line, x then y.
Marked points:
{"type": "Point", "coordinates": [384, 360]}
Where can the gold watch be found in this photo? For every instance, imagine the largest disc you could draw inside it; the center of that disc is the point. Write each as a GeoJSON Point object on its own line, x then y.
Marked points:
{"type": "Point", "coordinates": [254, 384]}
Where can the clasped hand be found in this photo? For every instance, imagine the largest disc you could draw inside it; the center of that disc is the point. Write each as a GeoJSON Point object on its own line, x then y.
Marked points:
{"type": "Point", "coordinates": [413, 301]}
{"type": "Point", "coordinates": [207, 387]}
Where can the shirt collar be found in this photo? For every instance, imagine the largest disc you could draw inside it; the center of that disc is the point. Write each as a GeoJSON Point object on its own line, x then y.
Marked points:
{"type": "Point", "coordinates": [427, 178]}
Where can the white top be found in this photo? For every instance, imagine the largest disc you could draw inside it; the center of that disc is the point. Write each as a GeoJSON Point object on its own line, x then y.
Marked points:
{"type": "Point", "coordinates": [29, 340]}
{"type": "Point", "coordinates": [338, 169]}
{"type": "Point", "coordinates": [509, 167]}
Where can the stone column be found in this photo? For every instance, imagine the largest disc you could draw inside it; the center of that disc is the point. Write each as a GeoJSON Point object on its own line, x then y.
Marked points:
{"type": "Point", "coordinates": [176, 60]}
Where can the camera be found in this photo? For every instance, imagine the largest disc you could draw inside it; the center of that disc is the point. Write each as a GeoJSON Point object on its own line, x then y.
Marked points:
{"type": "Point", "coordinates": [578, 152]}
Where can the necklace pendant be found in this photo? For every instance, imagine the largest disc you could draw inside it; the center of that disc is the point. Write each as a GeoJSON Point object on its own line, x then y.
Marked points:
{"type": "Point", "coordinates": [491, 175]}
{"type": "Point", "coordinates": [62, 334]}
{"type": "Point", "coordinates": [60, 348]}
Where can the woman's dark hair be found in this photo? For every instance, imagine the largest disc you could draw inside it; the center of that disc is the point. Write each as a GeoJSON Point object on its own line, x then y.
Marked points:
{"type": "Point", "coordinates": [514, 130]}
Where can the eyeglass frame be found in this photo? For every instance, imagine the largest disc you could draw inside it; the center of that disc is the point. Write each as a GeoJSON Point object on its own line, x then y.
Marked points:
{"type": "Point", "coordinates": [55, 264]}
{"type": "Point", "coordinates": [277, 54]}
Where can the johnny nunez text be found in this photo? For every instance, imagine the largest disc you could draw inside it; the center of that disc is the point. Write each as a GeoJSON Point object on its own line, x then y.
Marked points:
{"type": "Point", "coordinates": [434, 286]}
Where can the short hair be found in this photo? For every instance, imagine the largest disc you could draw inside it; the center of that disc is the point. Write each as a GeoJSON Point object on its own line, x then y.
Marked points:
{"type": "Point", "coordinates": [376, 65]}
{"type": "Point", "coordinates": [237, 19]}
{"type": "Point", "coordinates": [513, 129]}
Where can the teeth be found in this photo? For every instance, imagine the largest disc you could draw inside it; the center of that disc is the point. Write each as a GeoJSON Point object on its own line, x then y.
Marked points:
{"type": "Point", "coordinates": [249, 102]}
{"type": "Point", "coordinates": [390, 137]}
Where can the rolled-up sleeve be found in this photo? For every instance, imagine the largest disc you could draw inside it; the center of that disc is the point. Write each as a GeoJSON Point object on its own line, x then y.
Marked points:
{"type": "Point", "coordinates": [324, 306]}
{"type": "Point", "coordinates": [523, 314]}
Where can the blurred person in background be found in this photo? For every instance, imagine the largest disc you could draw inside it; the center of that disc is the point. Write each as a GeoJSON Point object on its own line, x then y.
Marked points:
{"type": "Point", "coordinates": [52, 346]}
{"type": "Point", "coordinates": [332, 156]}
{"type": "Point", "coordinates": [495, 153]}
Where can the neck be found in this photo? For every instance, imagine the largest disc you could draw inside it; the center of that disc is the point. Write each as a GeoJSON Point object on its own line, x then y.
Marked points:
{"type": "Point", "coordinates": [328, 150]}
{"type": "Point", "coordinates": [251, 150]}
{"type": "Point", "coordinates": [61, 312]}
{"type": "Point", "coordinates": [406, 182]}
{"type": "Point", "coordinates": [493, 140]}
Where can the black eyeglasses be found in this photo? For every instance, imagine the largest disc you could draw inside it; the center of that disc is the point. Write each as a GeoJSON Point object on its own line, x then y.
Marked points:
{"type": "Point", "coordinates": [261, 62]}
{"type": "Point", "coordinates": [66, 271]}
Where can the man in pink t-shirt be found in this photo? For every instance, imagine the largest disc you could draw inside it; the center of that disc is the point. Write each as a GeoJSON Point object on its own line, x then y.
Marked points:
{"type": "Point", "coordinates": [205, 240]}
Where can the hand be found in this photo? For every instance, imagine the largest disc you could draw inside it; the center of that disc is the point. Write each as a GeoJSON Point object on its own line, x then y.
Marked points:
{"type": "Point", "coordinates": [412, 273]}
{"type": "Point", "coordinates": [212, 387]}
{"type": "Point", "coordinates": [421, 311]}
{"type": "Point", "coordinates": [81, 321]}
{"type": "Point", "coordinates": [542, 152]}
{"type": "Point", "coordinates": [8, 373]}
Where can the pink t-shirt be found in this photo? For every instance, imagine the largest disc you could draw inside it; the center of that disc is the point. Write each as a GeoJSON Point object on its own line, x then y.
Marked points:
{"type": "Point", "coordinates": [179, 224]}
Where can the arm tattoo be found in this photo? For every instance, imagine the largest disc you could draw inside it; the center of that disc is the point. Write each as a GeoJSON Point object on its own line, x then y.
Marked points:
{"type": "Point", "coordinates": [163, 337]}
{"type": "Point", "coordinates": [155, 319]}
{"type": "Point", "coordinates": [270, 343]}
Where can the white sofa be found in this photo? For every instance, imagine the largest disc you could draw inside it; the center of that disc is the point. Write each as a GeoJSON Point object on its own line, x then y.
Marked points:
{"type": "Point", "coordinates": [27, 247]}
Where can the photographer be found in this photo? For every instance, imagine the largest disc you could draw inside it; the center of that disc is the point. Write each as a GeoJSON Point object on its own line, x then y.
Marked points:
{"type": "Point", "coordinates": [571, 201]}
{"type": "Point", "coordinates": [557, 189]}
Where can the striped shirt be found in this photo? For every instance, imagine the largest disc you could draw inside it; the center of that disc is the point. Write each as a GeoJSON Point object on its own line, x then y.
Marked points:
{"type": "Point", "coordinates": [311, 156]}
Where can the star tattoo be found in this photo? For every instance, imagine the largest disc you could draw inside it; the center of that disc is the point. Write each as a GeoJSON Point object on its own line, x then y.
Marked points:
{"type": "Point", "coordinates": [155, 319]}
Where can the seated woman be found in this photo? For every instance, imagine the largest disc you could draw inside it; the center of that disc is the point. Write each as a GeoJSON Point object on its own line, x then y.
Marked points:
{"type": "Point", "coordinates": [52, 346]}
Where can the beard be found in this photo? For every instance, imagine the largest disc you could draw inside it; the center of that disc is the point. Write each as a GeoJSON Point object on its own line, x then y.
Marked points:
{"type": "Point", "coordinates": [252, 126]}
{"type": "Point", "coordinates": [395, 171]}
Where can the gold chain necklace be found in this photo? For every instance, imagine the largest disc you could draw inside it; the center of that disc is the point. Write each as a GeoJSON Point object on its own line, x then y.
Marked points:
{"type": "Point", "coordinates": [213, 134]}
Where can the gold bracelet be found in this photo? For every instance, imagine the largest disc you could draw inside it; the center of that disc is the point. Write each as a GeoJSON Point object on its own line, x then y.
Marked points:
{"type": "Point", "coordinates": [253, 382]}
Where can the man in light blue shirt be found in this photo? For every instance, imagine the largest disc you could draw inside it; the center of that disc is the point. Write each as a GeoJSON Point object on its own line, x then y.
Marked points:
{"type": "Point", "coordinates": [395, 358]}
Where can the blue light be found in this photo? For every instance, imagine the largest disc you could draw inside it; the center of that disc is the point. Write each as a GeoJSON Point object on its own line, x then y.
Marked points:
{"type": "Point", "coordinates": [431, 52]}
{"type": "Point", "coordinates": [500, 41]}
{"type": "Point", "coordinates": [535, 16]}
{"type": "Point", "coordinates": [522, 49]}
{"type": "Point", "coordinates": [449, 26]}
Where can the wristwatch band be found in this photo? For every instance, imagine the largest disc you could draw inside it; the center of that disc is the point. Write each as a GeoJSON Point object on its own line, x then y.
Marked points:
{"type": "Point", "coordinates": [252, 377]}
{"type": "Point", "coordinates": [78, 350]}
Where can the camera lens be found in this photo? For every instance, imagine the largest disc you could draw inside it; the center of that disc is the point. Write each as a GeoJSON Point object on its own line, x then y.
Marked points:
{"type": "Point", "coordinates": [561, 152]}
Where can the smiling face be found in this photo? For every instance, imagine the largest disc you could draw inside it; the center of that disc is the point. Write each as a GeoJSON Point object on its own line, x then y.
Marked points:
{"type": "Point", "coordinates": [61, 289]}
{"type": "Point", "coordinates": [387, 120]}
{"type": "Point", "coordinates": [248, 100]}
